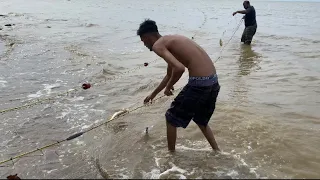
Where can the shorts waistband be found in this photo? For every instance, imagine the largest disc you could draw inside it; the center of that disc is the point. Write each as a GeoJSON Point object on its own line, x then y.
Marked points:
{"type": "Point", "coordinates": [203, 80]}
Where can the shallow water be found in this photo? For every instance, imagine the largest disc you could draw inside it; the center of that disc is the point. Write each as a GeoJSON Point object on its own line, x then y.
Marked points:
{"type": "Point", "coordinates": [266, 122]}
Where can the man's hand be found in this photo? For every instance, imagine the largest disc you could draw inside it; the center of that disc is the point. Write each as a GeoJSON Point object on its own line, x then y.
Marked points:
{"type": "Point", "coordinates": [234, 13]}
{"type": "Point", "coordinates": [168, 92]}
{"type": "Point", "coordinates": [148, 98]}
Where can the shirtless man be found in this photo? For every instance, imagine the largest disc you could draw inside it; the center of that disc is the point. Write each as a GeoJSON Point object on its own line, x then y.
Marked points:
{"type": "Point", "coordinates": [198, 98]}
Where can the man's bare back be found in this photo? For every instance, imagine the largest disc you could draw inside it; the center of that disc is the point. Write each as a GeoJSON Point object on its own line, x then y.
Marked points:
{"type": "Point", "coordinates": [187, 52]}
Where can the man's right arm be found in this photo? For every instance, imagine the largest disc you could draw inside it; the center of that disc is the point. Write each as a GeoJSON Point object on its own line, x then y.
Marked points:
{"type": "Point", "coordinates": [246, 11]}
{"type": "Point", "coordinates": [164, 82]}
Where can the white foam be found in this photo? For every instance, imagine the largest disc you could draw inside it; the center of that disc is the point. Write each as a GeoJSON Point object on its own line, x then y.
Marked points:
{"type": "Point", "coordinates": [155, 173]}
{"type": "Point", "coordinates": [192, 149]}
{"type": "Point", "coordinates": [63, 114]}
{"type": "Point", "coordinates": [182, 176]}
{"type": "Point", "coordinates": [38, 94]}
{"type": "Point", "coordinates": [224, 153]}
{"type": "Point", "coordinates": [59, 80]}
{"type": "Point", "coordinates": [253, 171]}
{"type": "Point", "coordinates": [219, 173]}
{"type": "Point", "coordinates": [123, 176]}
{"type": "Point", "coordinates": [80, 143]}
{"type": "Point", "coordinates": [85, 126]}
{"type": "Point", "coordinates": [243, 163]}
{"type": "Point", "coordinates": [233, 173]}
{"type": "Point", "coordinates": [49, 87]}
{"type": "Point", "coordinates": [192, 172]}
{"type": "Point", "coordinates": [3, 83]}
{"type": "Point", "coordinates": [173, 169]}
{"type": "Point", "coordinates": [51, 171]}
{"type": "Point", "coordinates": [80, 98]}
{"type": "Point", "coordinates": [98, 110]}
{"type": "Point", "coordinates": [157, 161]}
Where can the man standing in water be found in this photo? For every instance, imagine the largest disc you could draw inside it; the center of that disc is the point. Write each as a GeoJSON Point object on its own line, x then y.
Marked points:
{"type": "Point", "coordinates": [198, 98]}
{"type": "Point", "coordinates": [249, 22]}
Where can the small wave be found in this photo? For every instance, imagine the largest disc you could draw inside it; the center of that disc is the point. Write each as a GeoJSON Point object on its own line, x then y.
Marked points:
{"type": "Point", "coordinates": [299, 40]}
{"type": "Point", "coordinates": [63, 115]}
{"type": "Point", "coordinates": [107, 72]}
{"type": "Point", "coordinates": [79, 98]}
{"type": "Point", "coordinates": [76, 51]}
{"type": "Point", "coordinates": [47, 89]}
{"type": "Point", "coordinates": [90, 25]}
{"type": "Point", "coordinates": [3, 83]}
{"type": "Point", "coordinates": [193, 149]}
{"type": "Point", "coordinates": [10, 44]}
{"type": "Point", "coordinates": [310, 78]}
{"type": "Point", "coordinates": [311, 56]}
{"type": "Point", "coordinates": [16, 14]}
{"type": "Point", "coordinates": [38, 94]}
{"type": "Point", "coordinates": [156, 174]}
{"type": "Point", "coordinates": [56, 20]}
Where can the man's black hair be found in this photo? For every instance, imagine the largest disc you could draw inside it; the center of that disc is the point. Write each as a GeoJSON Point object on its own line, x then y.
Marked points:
{"type": "Point", "coordinates": [147, 26]}
{"type": "Point", "coordinates": [247, 2]}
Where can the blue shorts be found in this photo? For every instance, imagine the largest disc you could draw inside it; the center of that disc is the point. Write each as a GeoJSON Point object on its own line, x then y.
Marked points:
{"type": "Point", "coordinates": [196, 101]}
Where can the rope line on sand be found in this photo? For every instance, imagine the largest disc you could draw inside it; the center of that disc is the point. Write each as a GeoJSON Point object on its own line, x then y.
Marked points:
{"type": "Point", "coordinates": [76, 135]}
{"type": "Point", "coordinates": [113, 117]}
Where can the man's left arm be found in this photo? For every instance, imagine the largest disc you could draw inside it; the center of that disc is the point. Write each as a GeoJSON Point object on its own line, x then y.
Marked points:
{"type": "Point", "coordinates": [177, 67]}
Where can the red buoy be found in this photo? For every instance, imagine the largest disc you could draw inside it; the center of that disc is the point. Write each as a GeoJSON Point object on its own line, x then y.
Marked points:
{"type": "Point", "coordinates": [146, 64]}
{"type": "Point", "coordinates": [86, 86]}
{"type": "Point", "coordinates": [13, 176]}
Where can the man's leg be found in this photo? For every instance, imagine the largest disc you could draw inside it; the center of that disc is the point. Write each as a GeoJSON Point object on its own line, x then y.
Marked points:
{"type": "Point", "coordinates": [251, 31]}
{"type": "Point", "coordinates": [247, 42]}
{"type": "Point", "coordinates": [179, 114]}
{"type": "Point", "coordinates": [171, 137]}
{"type": "Point", "coordinates": [205, 109]}
{"type": "Point", "coordinates": [243, 35]}
{"type": "Point", "coordinates": [207, 132]}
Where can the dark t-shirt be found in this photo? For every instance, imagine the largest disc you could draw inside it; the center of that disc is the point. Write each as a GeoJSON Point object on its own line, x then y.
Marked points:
{"type": "Point", "coordinates": [250, 17]}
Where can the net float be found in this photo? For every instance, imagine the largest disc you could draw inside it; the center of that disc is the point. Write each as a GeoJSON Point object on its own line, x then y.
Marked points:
{"type": "Point", "coordinates": [86, 86]}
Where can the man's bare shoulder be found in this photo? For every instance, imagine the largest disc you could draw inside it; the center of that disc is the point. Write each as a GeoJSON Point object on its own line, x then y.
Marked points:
{"type": "Point", "coordinates": [166, 40]}
{"type": "Point", "coordinates": [159, 46]}
{"type": "Point", "coordinates": [163, 40]}
{"type": "Point", "coordinates": [174, 37]}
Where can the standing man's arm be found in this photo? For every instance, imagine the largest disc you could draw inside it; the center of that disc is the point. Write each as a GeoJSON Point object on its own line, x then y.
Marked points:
{"type": "Point", "coordinates": [177, 68]}
{"type": "Point", "coordinates": [242, 12]}
{"type": "Point", "coordinates": [161, 86]}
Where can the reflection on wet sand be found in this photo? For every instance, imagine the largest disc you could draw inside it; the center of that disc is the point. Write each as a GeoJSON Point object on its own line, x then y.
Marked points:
{"type": "Point", "coordinates": [247, 60]}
